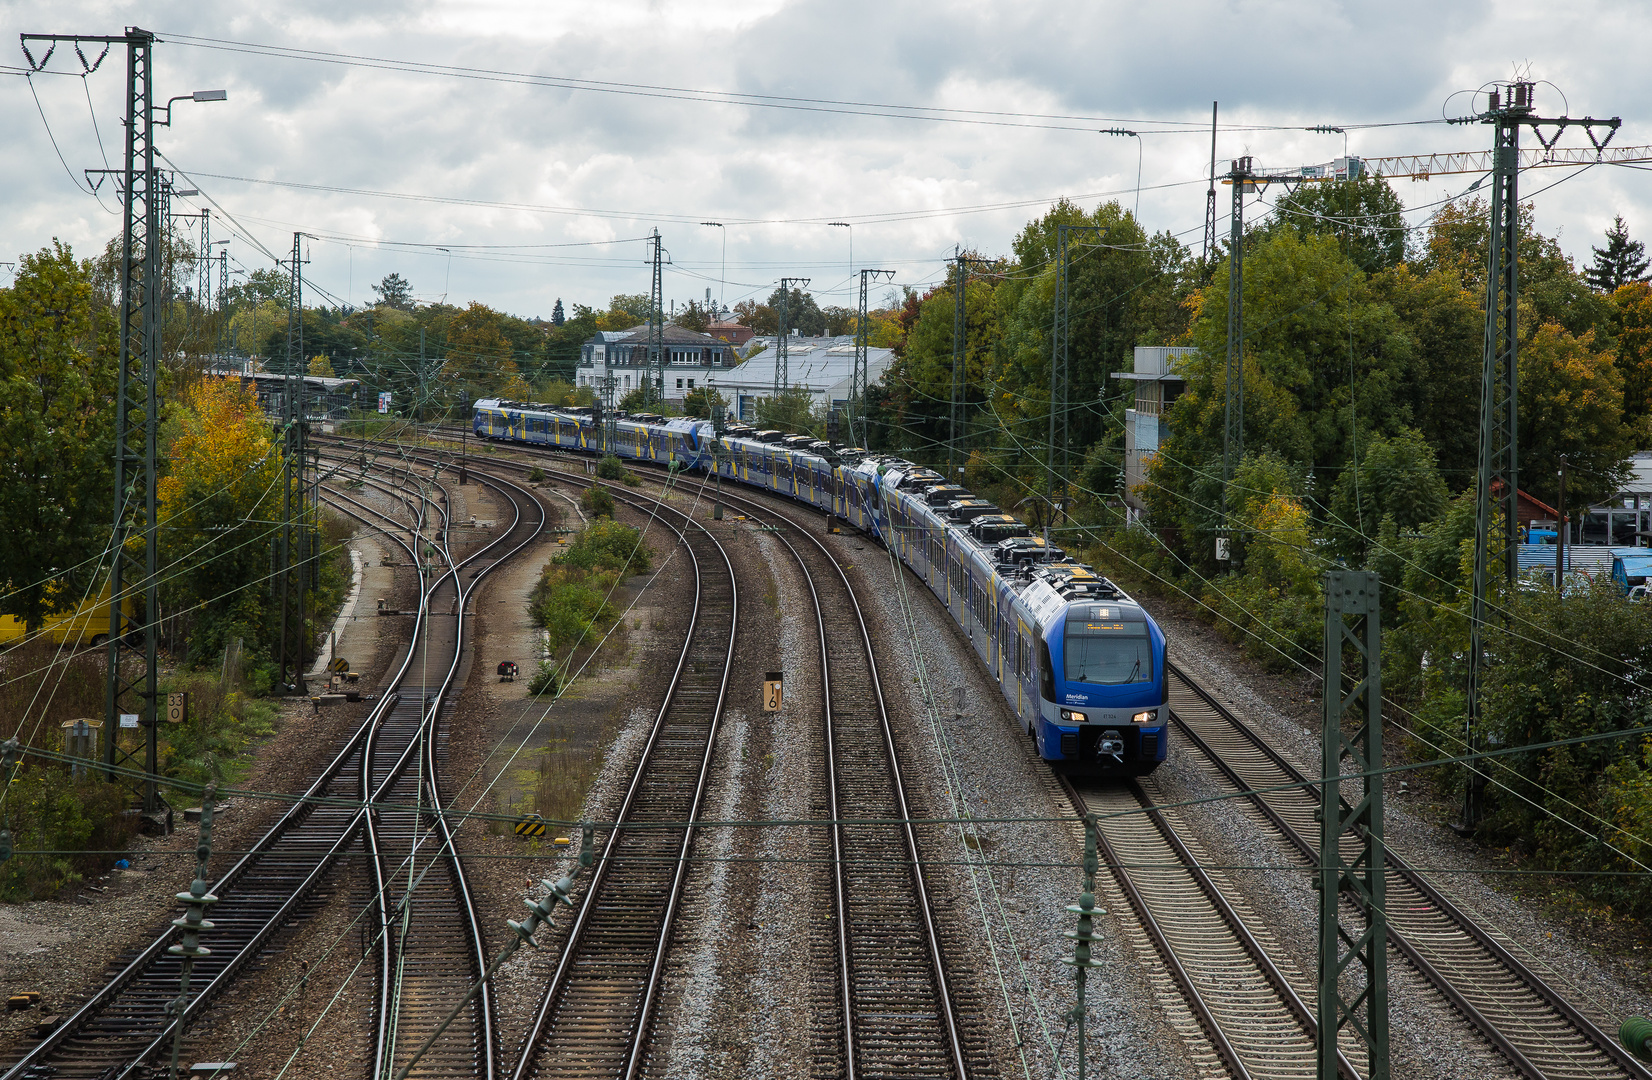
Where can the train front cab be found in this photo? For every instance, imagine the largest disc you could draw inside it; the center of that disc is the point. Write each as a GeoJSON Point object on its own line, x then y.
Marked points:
{"type": "Point", "coordinates": [1102, 708]}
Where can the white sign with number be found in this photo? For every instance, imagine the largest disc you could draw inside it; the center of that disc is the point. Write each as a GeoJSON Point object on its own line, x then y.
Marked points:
{"type": "Point", "coordinates": [1221, 549]}
{"type": "Point", "coordinates": [128, 719]}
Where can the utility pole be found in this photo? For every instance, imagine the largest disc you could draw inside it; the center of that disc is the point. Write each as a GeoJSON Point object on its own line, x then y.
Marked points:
{"type": "Point", "coordinates": [293, 562]}
{"type": "Point", "coordinates": [782, 363]}
{"type": "Point", "coordinates": [1560, 534]}
{"type": "Point", "coordinates": [858, 377]}
{"type": "Point", "coordinates": [1242, 177]}
{"type": "Point", "coordinates": [203, 278]}
{"type": "Point", "coordinates": [1210, 196]}
{"type": "Point", "coordinates": [1056, 475]}
{"type": "Point", "coordinates": [960, 343]}
{"type": "Point", "coordinates": [1511, 106]}
{"type": "Point", "coordinates": [655, 376]}
{"type": "Point", "coordinates": [133, 538]}
{"type": "Point", "coordinates": [1351, 593]}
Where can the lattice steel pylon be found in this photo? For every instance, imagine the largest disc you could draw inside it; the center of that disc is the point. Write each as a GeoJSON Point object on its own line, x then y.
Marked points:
{"type": "Point", "coordinates": [1233, 416]}
{"type": "Point", "coordinates": [1060, 378]}
{"type": "Point", "coordinates": [858, 376]}
{"type": "Point", "coordinates": [654, 377]}
{"type": "Point", "coordinates": [293, 539]}
{"type": "Point", "coordinates": [1496, 521]}
{"type": "Point", "coordinates": [1348, 954]}
{"type": "Point", "coordinates": [133, 540]}
{"type": "Point", "coordinates": [960, 357]}
{"type": "Point", "coordinates": [782, 361]}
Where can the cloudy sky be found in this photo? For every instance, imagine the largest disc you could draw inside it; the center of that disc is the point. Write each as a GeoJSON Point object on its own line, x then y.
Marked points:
{"type": "Point", "coordinates": [515, 152]}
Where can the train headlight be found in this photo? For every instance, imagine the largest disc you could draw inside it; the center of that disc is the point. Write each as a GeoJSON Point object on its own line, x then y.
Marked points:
{"type": "Point", "coordinates": [1146, 717]}
{"type": "Point", "coordinates": [1070, 717]}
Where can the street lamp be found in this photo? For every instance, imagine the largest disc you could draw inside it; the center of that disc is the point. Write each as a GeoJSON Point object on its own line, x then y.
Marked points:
{"type": "Point", "coordinates": [199, 95]}
{"type": "Point", "coordinates": [1133, 135]}
{"type": "Point", "coordinates": [722, 280]}
{"type": "Point", "coordinates": [851, 228]}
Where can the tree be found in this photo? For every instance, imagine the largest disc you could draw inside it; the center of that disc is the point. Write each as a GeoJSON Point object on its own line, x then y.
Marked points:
{"type": "Point", "coordinates": [321, 367]}
{"type": "Point", "coordinates": [557, 318]}
{"type": "Point", "coordinates": [1632, 330]}
{"type": "Point", "coordinates": [802, 313]}
{"type": "Point", "coordinates": [1571, 405]}
{"type": "Point", "coordinates": [692, 316]}
{"type": "Point", "coordinates": [1365, 215]}
{"type": "Point", "coordinates": [704, 403]}
{"type": "Point", "coordinates": [760, 317]}
{"type": "Point", "coordinates": [792, 410]}
{"type": "Point", "coordinates": [395, 291]}
{"type": "Point", "coordinates": [57, 416]}
{"type": "Point", "coordinates": [224, 484]}
{"type": "Point", "coordinates": [630, 309]}
{"type": "Point", "coordinates": [1621, 262]}
{"type": "Point", "coordinates": [1396, 480]}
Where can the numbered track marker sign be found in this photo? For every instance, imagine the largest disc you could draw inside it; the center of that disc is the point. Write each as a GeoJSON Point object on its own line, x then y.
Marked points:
{"type": "Point", "coordinates": [177, 708]}
{"type": "Point", "coordinates": [772, 691]}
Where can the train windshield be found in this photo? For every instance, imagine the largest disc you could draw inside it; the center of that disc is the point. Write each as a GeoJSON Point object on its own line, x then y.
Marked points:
{"type": "Point", "coordinates": [1108, 652]}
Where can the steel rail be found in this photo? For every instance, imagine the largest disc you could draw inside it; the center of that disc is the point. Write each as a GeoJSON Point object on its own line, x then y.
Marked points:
{"type": "Point", "coordinates": [557, 986]}
{"type": "Point", "coordinates": [1504, 1042]}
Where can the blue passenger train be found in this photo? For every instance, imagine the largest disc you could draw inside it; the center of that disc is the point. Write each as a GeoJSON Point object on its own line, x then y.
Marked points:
{"type": "Point", "coordinates": [1080, 662]}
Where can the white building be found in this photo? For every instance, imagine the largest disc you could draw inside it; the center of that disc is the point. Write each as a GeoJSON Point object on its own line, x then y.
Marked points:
{"type": "Point", "coordinates": [689, 359]}
{"type": "Point", "coordinates": [821, 365]}
{"type": "Point", "coordinates": [1158, 385]}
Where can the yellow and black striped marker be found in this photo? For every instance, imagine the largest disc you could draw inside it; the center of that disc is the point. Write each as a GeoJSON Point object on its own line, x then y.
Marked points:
{"type": "Point", "coordinates": [531, 825]}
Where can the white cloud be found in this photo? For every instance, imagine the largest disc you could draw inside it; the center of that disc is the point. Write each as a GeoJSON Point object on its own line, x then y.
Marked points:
{"type": "Point", "coordinates": [776, 175]}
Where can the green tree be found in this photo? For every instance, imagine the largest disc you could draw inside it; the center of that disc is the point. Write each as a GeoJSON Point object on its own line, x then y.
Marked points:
{"type": "Point", "coordinates": [803, 314]}
{"type": "Point", "coordinates": [635, 307]}
{"type": "Point", "coordinates": [57, 415]}
{"type": "Point", "coordinates": [1632, 332]}
{"type": "Point", "coordinates": [792, 410]}
{"type": "Point", "coordinates": [394, 291]}
{"type": "Point", "coordinates": [703, 402]}
{"type": "Point", "coordinates": [557, 317]}
{"type": "Point", "coordinates": [1571, 405]}
{"type": "Point", "coordinates": [1621, 262]}
{"type": "Point", "coordinates": [1396, 481]}
{"type": "Point", "coordinates": [1365, 215]}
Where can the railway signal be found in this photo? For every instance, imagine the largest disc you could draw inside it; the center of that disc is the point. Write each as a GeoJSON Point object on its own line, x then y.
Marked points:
{"type": "Point", "coordinates": [196, 901]}
{"type": "Point", "coordinates": [1082, 961]}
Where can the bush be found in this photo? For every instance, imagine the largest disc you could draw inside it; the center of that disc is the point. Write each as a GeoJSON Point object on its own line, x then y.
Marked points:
{"type": "Point", "coordinates": [597, 501]}
{"type": "Point", "coordinates": [74, 821]}
{"type": "Point", "coordinates": [612, 468]}
{"type": "Point", "coordinates": [536, 475]}
{"type": "Point", "coordinates": [610, 546]}
{"type": "Point", "coordinates": [544, 681]}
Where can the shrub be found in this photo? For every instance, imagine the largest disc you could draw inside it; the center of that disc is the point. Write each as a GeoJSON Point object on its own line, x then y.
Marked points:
{"type": "Point", "coordinates": [536, 475]}
{"type": "Point", "coordinates": [544, 681]}
{"type": "Point", "coordinates": [610, 546]}
{"type": "Point", "coordinates": [611, 468]}
{"type": "Point", "coordinates": [597, 501]}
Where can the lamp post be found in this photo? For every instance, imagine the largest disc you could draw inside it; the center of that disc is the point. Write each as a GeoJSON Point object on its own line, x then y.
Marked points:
{"type": "Point", "coordinates": [1123, 131]}
{"type": "Point", "coordinates": [722, 276]}
{"type": "Point", "coordinates": [851, 228]}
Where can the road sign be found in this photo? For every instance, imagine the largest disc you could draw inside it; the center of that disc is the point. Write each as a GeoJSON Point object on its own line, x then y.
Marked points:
{"type": "Point", "coordinates": [177, 708]}
{"type": "Point", "coordinates": [530, 826]}
{"type": "Point", "coordinates": [339, 665]}
{"type": "Point", "coordinates": [128, 719]}
{"type": "Point", "coordinates": [772, 691]}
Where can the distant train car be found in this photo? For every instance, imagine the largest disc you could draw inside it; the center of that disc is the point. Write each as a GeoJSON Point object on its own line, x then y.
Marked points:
{"type": "Point", "coordinates": [1080, 663]}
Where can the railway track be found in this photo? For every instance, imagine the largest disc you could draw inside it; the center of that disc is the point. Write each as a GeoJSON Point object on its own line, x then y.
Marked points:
{"type": "Point", "coordinates": [1248, 1007]}
{"type": "Point", "coordinates": [594, 1016]}
{"type": "Point", "coordinates": [284, 877]}
{"type": "Point", "coordinates": [1256, 1019]}
{"type": "Point", "coordinates": [1533, 1025]}
{"type": "Point", "coordinates": [886, 964]}
{"type": "Point", "coordinates": [431, 945]}
{"type": "Point", "coordinates": [899, 1013]}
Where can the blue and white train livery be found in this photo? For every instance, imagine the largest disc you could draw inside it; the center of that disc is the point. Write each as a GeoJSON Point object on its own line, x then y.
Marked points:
{"type": "Point", "coordinates": [1080, 663]}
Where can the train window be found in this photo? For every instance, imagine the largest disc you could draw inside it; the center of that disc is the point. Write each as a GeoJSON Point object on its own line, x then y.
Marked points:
{"type": "Point", "coordinates": [1108, 652]}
